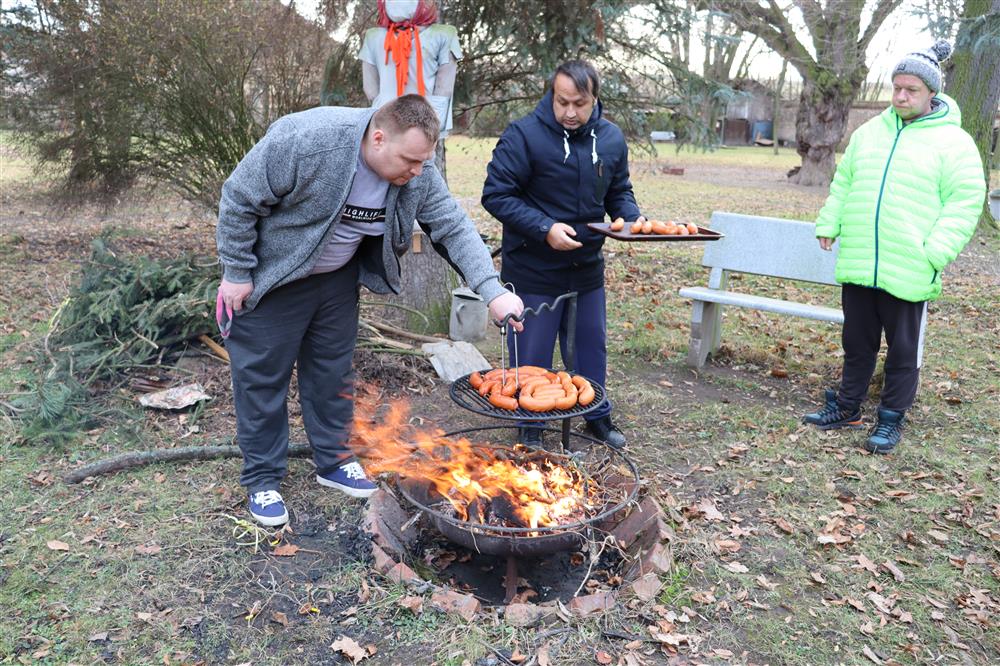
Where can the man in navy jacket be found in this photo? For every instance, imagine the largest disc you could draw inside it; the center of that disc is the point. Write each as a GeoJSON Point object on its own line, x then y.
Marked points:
{"type": "Point", "coordinates": [552, 172]}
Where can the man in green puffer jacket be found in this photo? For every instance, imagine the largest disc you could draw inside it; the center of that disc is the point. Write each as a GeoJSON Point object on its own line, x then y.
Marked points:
{"type": "Point", "coordinates": [904, 202]}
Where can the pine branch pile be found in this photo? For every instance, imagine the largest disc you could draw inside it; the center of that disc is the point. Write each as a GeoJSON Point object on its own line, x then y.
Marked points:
{"type": "Point", "coordinates": [126, 312]}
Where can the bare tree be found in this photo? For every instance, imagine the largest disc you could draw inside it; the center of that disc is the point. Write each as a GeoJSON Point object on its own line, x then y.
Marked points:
{"type": "Point", "coordinates": [972, 76]}
{"type": "Point", "coordinates": [832, 71]}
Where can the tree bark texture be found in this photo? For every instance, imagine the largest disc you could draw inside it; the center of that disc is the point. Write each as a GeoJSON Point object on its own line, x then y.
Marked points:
{"type": "Point", "coordinates": [819, 127]}
{"type": "Point", "coordinates": [972, 77]}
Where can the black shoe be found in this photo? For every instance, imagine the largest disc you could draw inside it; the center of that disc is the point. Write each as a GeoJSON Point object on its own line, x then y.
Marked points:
{"type": "Point", "coordinates": [885, 435]}
{"type": "Point", "coordinates": [606, 431]}
{"type": "Point", "coordinates": [530, 436]}
{"type": "Point", "coordinates": [832, 416]}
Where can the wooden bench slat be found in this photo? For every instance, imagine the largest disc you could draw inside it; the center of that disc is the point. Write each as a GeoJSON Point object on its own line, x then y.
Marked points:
{"type": "Point", "coordinates": [765, 303]}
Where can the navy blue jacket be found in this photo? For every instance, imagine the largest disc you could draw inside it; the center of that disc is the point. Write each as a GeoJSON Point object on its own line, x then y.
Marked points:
{"type": "Point", "coordinates": [542, 173]}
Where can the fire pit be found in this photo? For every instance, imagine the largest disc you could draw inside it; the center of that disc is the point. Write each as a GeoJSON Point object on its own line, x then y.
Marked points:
{"type": "Point", "coordinates": [507, 501]}
{"type": "Point", "coordinates": [521, 502]}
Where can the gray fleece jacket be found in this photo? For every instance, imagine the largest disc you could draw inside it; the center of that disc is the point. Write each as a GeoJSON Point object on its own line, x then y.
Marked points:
{"type": "Point", "coordinates": [283, 201]}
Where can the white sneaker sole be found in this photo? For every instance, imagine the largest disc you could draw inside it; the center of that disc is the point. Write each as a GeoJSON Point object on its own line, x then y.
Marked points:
{"type": "Point", "coordinates": [269, 521]}
{"type": "Point", "coordinates": [353, 492]}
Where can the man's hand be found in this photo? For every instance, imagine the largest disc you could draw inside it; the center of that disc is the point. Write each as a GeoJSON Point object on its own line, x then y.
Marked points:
{"type": "Point", "coordinates": [826, 243]}
{"type": "Point", "coordinates": [560, 237]}
{"type": "Point", "coordinates": [235, 293]}
{"type": "Point", "coordinates": [505, 304]}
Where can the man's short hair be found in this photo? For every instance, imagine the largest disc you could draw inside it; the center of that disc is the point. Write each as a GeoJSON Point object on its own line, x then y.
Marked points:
{"type": "Point", "coordinates": [582, 73]}
{"type": "Point", "coordinates": [405, 113]}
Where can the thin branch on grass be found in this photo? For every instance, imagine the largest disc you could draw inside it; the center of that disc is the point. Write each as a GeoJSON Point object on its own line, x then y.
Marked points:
{"type": "Point", "coordinates": [142, 458]}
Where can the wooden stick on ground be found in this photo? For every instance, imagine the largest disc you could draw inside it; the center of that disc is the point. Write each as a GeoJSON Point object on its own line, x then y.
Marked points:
{"type": "Point", "coordinates": [219, 350]}
{"type": "Point", "coordinates": [142, 458]}
{"type": "Point", "coordinates": [386, 328]}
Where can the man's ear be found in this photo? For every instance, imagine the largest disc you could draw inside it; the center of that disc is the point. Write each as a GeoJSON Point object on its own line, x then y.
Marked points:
{"type": "Point", "coordinates": [378, 137]}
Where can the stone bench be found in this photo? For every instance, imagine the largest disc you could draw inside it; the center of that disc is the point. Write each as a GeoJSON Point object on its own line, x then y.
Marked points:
{"type": "Point", "coordinates": [767, 246]}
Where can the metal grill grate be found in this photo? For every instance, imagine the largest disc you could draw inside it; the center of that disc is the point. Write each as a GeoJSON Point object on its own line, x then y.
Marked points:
{"type": "Point", "coordinates": [468, 398]}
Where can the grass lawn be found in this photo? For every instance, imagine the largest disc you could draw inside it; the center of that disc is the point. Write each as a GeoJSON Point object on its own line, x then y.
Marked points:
{"type": "Point", "coordinates": [155, 566]}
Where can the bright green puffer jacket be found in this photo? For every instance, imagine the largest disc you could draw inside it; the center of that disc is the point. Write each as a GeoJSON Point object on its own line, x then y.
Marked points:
{"type": "Point", "coordinates": [904, 201]}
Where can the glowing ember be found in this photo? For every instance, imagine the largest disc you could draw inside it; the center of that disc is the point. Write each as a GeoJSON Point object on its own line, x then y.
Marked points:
{"type": "Point", "coordinates": [511, 487]}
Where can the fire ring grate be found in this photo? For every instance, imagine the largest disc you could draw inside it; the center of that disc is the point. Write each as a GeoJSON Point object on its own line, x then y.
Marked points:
{"type": "Point", "coordinates": [465, 396]}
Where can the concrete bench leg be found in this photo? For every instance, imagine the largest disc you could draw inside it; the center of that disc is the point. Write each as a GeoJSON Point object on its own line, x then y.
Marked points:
{"type": "Point", "coordinates": [706, 332]}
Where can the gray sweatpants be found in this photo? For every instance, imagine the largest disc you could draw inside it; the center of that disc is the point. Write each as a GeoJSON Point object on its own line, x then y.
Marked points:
{"type": "Point", "coordinates": [311, 323]}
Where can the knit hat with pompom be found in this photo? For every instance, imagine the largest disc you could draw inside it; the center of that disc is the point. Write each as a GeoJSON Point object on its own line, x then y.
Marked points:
{"type": "Point", "coordinates": [925, 64]}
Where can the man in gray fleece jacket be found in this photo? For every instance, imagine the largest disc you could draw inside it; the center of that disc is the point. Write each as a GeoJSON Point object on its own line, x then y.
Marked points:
{"type": "Point", "coordinates": [326, 202]}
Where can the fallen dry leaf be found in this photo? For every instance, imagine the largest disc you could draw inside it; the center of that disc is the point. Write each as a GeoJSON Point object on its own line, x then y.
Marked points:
{"type": "Point", "coordinates": [938, 536]}
{"type": "Point", "coordinates": [286, 550]}
{"type": "Point", "coordinates": [349, 648]}
{"type": "Point", "coordinates": [736, 567]}
{"type": "Point", "coordinates": [151, 549]}
{"type": "Point", "coordinates": [542, 656]}
{"type": "Point", "coordinates": [727, 545]}
{"type": "Point", "coordinates": [57, 545]}
{"type": "Point", "coordinates": [867, 651]}
{"type": "Point", "coordinates": [280, 618]}
{"type": "Point", "coordinates": [784, 525]}
{"type": "Point", "coordinates": [707, 507]}
{"type": "Point", "coordinates": [865, 563]}
{"type": "Point", "coordinates": [894, 570]}
{"type": "Point", "coordinates": [603, 657]}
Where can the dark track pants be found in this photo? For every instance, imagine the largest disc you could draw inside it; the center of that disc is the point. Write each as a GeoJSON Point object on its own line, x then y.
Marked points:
{"type": "Point", "coordinates": [867, 312]}
{"type": "Point", "coordinates": [312, 322]}
{"type": "Point", "coordinates": [536, 343]}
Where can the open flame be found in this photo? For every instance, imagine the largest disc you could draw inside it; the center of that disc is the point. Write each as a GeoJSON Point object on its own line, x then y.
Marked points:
{"type": "Point", "coordinates": [515, 488]}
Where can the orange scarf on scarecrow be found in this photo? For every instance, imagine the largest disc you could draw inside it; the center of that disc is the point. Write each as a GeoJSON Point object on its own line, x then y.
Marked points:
{"type": "Point", "coordinates": [401, 37]}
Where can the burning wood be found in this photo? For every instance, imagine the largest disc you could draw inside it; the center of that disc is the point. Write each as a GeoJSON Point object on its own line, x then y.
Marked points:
{"type": "Point", "coordinates": [491, 486]}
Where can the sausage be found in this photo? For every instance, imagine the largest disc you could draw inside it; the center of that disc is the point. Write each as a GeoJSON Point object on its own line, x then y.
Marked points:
{"type": "Point", "coordinates": [510, 388]}
{"type": "Point", "coordinates": [533, 404]}
{"type": "Point", "coordinates": [554, 392]}
{"type": "Point", "coordinates": [660, 228]}
{"type": "Point", "coordinates": [569, 400]}
{"type": "Point", "coordinates": [498, 399]}
{"type": "Point", "coordinates": [618, 224]}
{"type": "Point", "coordinates": [647, 227]}
{"type": "Point", "coordinates": [682, 230]}
{"type": "Point", "coordinates": [487, 386]}
{"type": "Point", "coordinates": [475, 380]}
{"type": "Point", "coordinates": [636, 227]}
{"type": "Point", "coordinates": [587, 393]}
{"type": "Point", "coordinates": [692, 228]}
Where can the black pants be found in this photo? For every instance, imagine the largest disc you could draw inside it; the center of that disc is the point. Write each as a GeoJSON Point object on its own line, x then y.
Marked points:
{"type": "Point", "coordinates": [312, 322]}
{"type": "Point", "coordinates": [867, 312]}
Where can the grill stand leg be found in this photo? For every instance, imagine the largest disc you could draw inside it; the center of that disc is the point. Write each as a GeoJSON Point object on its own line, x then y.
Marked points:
{"type": "Point", "coordinates": [510, 580]}
{"type": "Point", "coordinates": [569, 363]}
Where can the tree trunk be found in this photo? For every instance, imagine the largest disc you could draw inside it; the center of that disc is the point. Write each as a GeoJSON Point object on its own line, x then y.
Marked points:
{"type": "Point", "coordinates": [972, 77]}
{"type": "Point", "coordinates": [819, 128]}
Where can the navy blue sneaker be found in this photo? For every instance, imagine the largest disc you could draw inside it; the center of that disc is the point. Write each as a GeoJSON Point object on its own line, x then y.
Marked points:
{"type": "Point", "coordinates": [832, 416]}
{"type": "Point", "coordinates": [349, 478]}
{"type": "Point", "coordinates": [267, 508]}
{"type": "Point", "coordinates": [885, 435]}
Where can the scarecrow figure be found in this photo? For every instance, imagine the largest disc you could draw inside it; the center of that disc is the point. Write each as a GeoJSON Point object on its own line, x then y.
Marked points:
{"type": "Point", "coordinates": [409, 52]}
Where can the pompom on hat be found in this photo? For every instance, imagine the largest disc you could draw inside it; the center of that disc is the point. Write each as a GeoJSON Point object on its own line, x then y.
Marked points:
{"type": "Point", "coordinates": [926, 64]}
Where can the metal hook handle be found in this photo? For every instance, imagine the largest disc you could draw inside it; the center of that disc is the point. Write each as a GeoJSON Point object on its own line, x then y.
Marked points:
{"type": "Point", "coordinates": [533, 311]}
